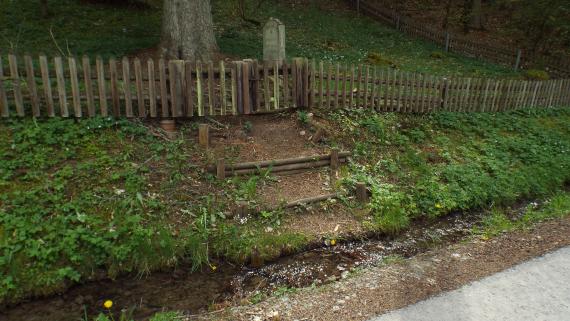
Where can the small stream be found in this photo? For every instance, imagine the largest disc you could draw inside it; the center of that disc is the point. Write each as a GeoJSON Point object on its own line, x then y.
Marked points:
{"type": "Point", "coordinates": [195, 292]}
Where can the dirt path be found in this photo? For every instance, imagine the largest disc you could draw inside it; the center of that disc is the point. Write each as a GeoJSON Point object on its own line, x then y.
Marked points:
{"type": "Point", "coordinates": [393, 286]}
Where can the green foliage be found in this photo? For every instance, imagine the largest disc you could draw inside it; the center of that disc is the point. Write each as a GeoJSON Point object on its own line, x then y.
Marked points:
{"type": "Point", "coordinates": [303, 117]}
{"type": "Point", "coordinates": [497, 222]}
{"type": "Point", "coordinates": [534, 74]}
{"type": "Point", "coordinates": [247, 127]}
{"type": "Point", "coordinates": [388, 209]}
{"type": "Point", "coordinates": [437, 55]}
{"type": "Point", "coordinates": [435, 164]}
{"type": "Point", "coordinates": [87, 27]}
{"type": "Point", "coordinates": [375, 58]}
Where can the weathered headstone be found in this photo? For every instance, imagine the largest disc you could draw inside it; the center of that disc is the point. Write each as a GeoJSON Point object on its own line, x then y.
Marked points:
{"type": "Point", "coordinates": [274, 41]}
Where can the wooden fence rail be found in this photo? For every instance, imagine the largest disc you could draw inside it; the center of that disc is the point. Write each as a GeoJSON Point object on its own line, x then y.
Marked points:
{"type": "Point", "coordinates": [71, 87]}
{"type": "Point", "coordinates": [557, 66]}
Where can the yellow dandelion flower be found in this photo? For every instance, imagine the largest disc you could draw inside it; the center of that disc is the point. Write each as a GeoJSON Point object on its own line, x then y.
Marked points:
{"type": "Point", "coordinates": [438, 205]}
{"type": "Point", "coordinates": [108, 304]}
{"type": "Point", "coordinates": [333, 242]}
{"type": "Point", "coordinates": [213, 267]}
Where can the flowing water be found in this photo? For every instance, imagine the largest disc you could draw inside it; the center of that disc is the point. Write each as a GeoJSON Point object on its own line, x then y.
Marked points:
{"type": "Point", "coordinates": [195, 292]}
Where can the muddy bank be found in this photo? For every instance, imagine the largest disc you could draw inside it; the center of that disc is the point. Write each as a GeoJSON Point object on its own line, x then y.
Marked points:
{"type": "Point", "coordinates": [196, 292]}
{"type": "Point", "coordinates": [381, 289]}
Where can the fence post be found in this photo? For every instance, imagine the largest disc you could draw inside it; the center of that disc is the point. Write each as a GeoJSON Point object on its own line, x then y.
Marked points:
{"type": "Point", "coordinates": [300, 82]}
{"type": "Point", "coordinates": [518, 61]}
{"type": "Point", "coordinates": [204, 135]}
{"type": "Point", "coordinates": [358, 7]}
{"type": "Point", "coordinates": [398, 22]}
{"type": "Point", "coordinates": [447, 38]}
{"type": "Point", "coordinates": [361, 193]}
{"type": "Point", "coordinates": [221, 169]}
{"type": "Point", "coordinates": [444, 94]}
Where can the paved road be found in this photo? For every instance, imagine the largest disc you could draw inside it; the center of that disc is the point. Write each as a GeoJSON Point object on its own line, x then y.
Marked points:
{"type": "Point", "coordinates": [535, 290]}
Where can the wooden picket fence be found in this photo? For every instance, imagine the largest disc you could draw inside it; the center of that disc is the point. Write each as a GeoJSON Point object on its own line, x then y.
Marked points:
{"type": "Point", "coordinates": [69, 87]}
{"type": "Point", "coordinates": [391, 90]}
{"type": "Point", "coordinates": [557, 66]}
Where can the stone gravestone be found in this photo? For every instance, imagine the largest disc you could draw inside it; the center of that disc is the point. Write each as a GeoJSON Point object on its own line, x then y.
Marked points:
{"type": "Point", "coordinates": [274, 41]}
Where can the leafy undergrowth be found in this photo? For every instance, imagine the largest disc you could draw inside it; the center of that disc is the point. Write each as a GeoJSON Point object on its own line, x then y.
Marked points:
{"type": "Point", "coordinates": [96, 198]}
{"type": "Point", "coordinates": [434, 164]}
{"type": "Point", "coordinates": [323, 29]}
{"type": "Point", "coordinates": [100, 197]}
{"type": "Point", "coordinates": [500, 221]}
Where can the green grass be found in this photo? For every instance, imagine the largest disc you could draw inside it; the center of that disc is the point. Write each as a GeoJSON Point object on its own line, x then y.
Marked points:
{"type": "Point", "coordinates": [498, 222]}
{"type": "Point", "coordinates": [322, 29]}
{"type": "Point", "coordinates": [100, 194]}
{"type": "Point", "coordinates": [434, 164]}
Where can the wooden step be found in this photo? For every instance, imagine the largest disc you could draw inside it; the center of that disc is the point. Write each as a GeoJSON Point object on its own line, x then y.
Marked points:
{"type": "Point", "coordinates": [279, 165]}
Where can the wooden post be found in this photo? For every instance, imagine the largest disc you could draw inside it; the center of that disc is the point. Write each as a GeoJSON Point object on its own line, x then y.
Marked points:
{"type": "Point", "coordinates": [447, 40]}
{"type": "Point", "coordinates": [361, 193]}
{"type": "Point", "coordinates": [518, 61]}
{"type": "Point", "coordinates": [204, 135]}
{"type": "Point", "coordinates": [335, 161]}
{"type": "Point", "coordinates": [221, 169]}
{"type": "Point", "coordinates": [241, 209]}
{"type": "Point", "coordinates": [398, 22]}
{"type": "Point", "coordinates": [245, 88]}
{"type": "Point", "coordinates": [358, 7]}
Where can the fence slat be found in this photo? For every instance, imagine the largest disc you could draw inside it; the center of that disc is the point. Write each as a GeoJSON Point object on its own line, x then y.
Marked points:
{"type": "Point", "coordinates": [286, 99]}
{"type": "Point", "coordinates": [359, 87]}
{"type": "Point", "coordinates": [102, 87]}
{"type": "Point", "coordinates": [199, 88]}
{"type": "Point", "coordinates": [266, 92]}
{"type": "Point", "coordinates": [337, 85]}
{"type": "Point", "coordinates": [58, 64]}
{"type": "Point", "coordinates": [16, 85]}
{"type": "Point", "coordinates": [276, 85]}
{"type": "Point", "coordinates": [115, 99]}
{"type": "Point", "coordinates": [151, 87]}
{"type": "Point", "coordinates": [127, 87]}
{"type": "Point", "coordinates": [379, 89]}
{"type": "Point", "coordinates": [88, 86]}
{"type": "Point", "coordinates": [314, 87]}
{"type": "Point", "coordinates": [386, 92]}
{"type": "Point", "coordinates": [373, 89]}
{"type": "Point", "coordinates": [175, 81]}
{"type": "Point", "coordinates": [352, 75]}
{"type": "Point", "coordinates": [256, 85]}
{"type": "Point", "coordinates": [211, 89]}
{"type": "Point", "coordinates": [165, 110]}
{"type": "Point", "coordinates": [223, 91]}
{"type": "Point", "coordinates": [141, 104]}
{"type": "Point", "coordinates": [4, 110]}
{"type": "Point", "coordinates": [32, 88]}
{"type": "Point", "coordinates": [329, 85]}
{"type": "Point", "coordinates": [246, 88]}
{"type": "Point", "coordinates": [189, 82]}
{"type": "Point", "coordinates": [496, 96]}
{"type": "Point", "coordinates": [234, 89]}
{"type": "Point", "coordinates": [366, 84]}
{"type": "Point", "coordinates": [467, 95]}
{"type": "Point", "coordinates": [488, 84]}
{"type": "Point", "coordinates": [400, 91]}
{"type": "Point", "coordinates": [74, 87]}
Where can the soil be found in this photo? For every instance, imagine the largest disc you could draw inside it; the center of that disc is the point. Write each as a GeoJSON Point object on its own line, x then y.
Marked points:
{"type": "Point", "coordinates": [391, 286]}
{"type": "Point", "coordinates": [264, 137]}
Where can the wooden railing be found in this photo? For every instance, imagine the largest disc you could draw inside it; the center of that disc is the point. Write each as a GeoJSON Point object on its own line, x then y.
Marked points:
{"type": "Point", "coordinates": [71, 87]}
{"type": "Point", "coordinates": [513, 57]}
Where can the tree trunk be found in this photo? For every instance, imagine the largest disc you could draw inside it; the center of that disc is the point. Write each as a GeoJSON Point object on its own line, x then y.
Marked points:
{"type": "Point", "coordinates": [188, 30]}
{"type": "Point", "coordinates": [445, 24]}
{"type": "Point", "coordinates": [476, 16]}
{"type": "Point", "coordinates": [44, 8]}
